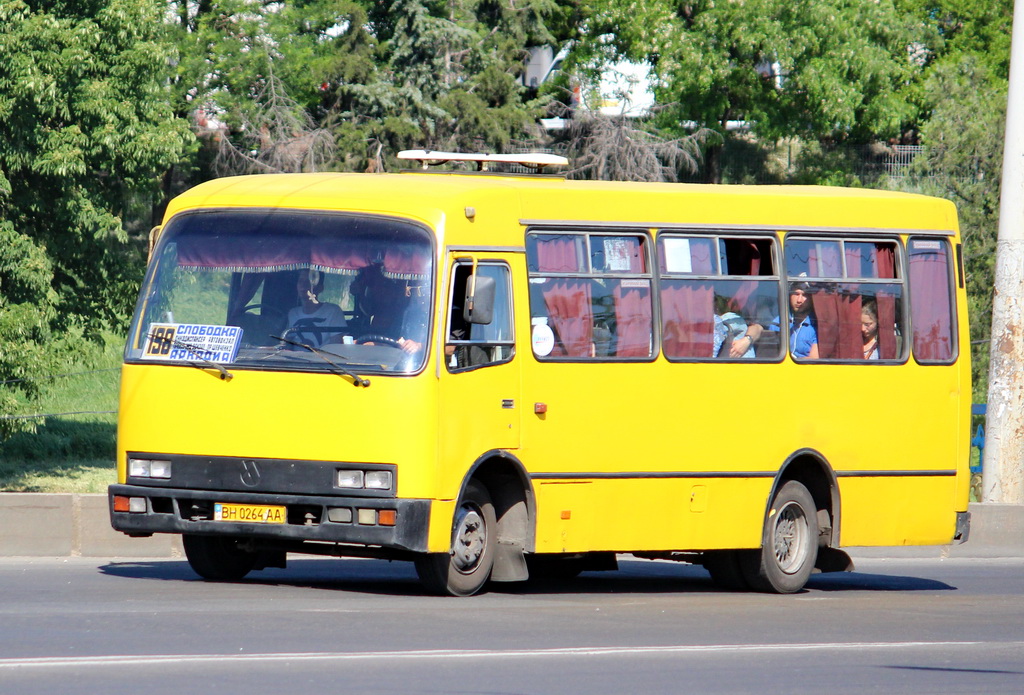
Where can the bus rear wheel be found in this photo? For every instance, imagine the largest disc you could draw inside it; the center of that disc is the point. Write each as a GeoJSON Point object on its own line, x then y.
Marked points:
{"type": "Point", "coordinates": [218, 558]}
{"type": "Point", "coordinates": [465, 569]}
{"type": "Point", "coordinates": [789, 546]}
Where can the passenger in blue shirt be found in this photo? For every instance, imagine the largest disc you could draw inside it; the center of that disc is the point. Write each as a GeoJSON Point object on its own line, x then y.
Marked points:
{"type": "Point", "coordinates": [803, 328]}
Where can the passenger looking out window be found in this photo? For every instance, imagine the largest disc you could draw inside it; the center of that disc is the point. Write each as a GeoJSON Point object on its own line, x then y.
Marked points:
{"type": "Point", "coordinates": [869, 328]}
{"type": "Point", "coordinates": [803, 327]}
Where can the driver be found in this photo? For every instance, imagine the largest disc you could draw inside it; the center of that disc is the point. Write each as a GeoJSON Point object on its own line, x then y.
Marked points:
{"type": "Point", "coordinates": [392, 312]}
{"type": "Point", "coordinates": [314, 322]}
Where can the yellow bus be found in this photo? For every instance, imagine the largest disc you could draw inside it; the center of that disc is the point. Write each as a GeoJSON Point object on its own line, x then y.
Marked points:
{"type": "Point", "coordinates": [503, 375]}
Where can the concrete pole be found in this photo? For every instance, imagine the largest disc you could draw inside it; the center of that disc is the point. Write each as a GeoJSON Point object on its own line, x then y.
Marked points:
{"type": "Point", "coordinates": [1003, 467]}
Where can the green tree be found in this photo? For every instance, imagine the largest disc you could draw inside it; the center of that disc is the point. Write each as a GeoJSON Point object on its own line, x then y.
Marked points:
{"type": "Point", "coordinates": [963, 94]}
{"type": "Point", "coordinates": [85, 125]}
{"type": "Point", "coordinates": [380, 76]}
{"type": "Point", "coordinates": [831, 70]}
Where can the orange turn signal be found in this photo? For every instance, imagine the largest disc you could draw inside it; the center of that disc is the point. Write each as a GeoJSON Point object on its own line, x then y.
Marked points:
{"type": "Point", "coordinates": [386, 517]}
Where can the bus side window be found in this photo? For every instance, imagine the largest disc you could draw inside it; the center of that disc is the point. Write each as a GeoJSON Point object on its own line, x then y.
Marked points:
{"type": "Point", "coordinates": [590, 296]}
{"type": "Point", "coordinates": [718, 307]}
{"type": "Point", "coordinates": [469, 344]}
{"type": "Point", "coordinates": [931, 307]}
{"type": "Point", "coordinates": [848, 277]}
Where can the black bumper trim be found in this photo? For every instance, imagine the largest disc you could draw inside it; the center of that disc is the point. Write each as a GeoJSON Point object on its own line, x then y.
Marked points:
{"type": "Point", "coordinates": [170, 510]}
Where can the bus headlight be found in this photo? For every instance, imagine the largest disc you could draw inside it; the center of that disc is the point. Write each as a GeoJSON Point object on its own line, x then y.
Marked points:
{"type": "Point", "coordinates": [350, 479]}
{"type": "Point", "coordinates": [378, 480]}
{"type": "Point", "coordinates": [149, 468]}
{"type": "Point", "coordinates": [356, 479]}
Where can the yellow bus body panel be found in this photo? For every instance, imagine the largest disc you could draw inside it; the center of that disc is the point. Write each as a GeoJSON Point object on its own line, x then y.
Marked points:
{"type": "Point", "coordinates": [316, 417]}
{"type": "Point", "coordinates": [700, 427]}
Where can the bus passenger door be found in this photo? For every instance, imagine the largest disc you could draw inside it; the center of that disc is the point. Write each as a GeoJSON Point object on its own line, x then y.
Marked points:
{"type": "Point", "coordinates": [480, 390]}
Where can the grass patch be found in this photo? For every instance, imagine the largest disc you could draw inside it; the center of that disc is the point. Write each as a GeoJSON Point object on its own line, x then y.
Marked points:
{"type": "Point", "coordinates": [73, 448]}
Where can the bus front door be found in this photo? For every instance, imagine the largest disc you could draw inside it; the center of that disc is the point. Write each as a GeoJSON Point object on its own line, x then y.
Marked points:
{"type": "Point", "coordinates": [480, 390]}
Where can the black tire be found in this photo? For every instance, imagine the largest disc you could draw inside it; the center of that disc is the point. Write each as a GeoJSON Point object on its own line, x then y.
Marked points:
{"type": "Point", "coordinates": [724, 568]}
{"type": "Point", "coordinates": [789, 544]}
{"type": "Point", "coordinates": [465, 569]}
{"type": "Point", "coordinates": [218, 558]}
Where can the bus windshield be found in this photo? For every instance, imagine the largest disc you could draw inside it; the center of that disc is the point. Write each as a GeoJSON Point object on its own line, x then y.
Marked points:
{"type": "Point", "coordinates": [287, 290]}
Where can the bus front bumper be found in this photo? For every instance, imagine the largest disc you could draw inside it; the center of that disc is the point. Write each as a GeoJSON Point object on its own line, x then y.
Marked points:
{"type": "Point", "coordinates": [399, 524]}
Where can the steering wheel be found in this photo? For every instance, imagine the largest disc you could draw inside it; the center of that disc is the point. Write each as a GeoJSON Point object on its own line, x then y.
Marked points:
{"type": "Point", "coordinates": [376, 338]}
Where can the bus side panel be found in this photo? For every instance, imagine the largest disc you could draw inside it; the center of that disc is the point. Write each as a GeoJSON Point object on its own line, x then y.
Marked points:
{"type": "Point", "coordinates": [649, 514]}
{"type": "Point", "coordinates": [897, 511]}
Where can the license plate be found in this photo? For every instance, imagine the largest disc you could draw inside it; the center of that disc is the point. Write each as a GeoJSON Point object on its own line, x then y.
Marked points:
{"type": "Point", "coordinates": [249, 513]}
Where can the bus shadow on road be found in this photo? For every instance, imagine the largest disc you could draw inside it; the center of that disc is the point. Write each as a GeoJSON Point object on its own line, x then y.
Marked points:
{"type": "Point", "coordinates": [861, 581]}
{"type": "Point", "coordinates": [381, 577]}
{"type": "Point", "coordinates": [644, 576]}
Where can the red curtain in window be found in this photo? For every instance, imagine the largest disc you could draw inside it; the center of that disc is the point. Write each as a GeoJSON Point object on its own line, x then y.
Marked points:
{"type": "Point", "coordinates": [227, 254]}
{"type": "Point", "coordinates": [326, 257]}
{"type": "Point", "coordinates": [570, 315]}
{"type": "Point", "coordinates": [406, 262]}
{"type": "Point", "coordinates": [633, 321]}
{"type": "Point", "coordinates": [688, 308]}
{"type": "Point", "coordinates": [827, 316]}
{"type": "Point", "coordinates": [568, 301]}
{"type": "Point", "coordinates": [886, 255]}
{"type": "Point", "coordinates": [557, 255]}
{"type": "Point", "coordinates": [837, 307]}
{"type": "Point", "coordinates": [688, 318]}
{"type": "Point", "coordinates": [931, 309]}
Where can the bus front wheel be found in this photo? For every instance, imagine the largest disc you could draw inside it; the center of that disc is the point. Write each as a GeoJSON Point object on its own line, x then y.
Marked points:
{"type": "Point", "coordinates": [465, 569]}
{"type": "Point", "coordinates": [789, 546]}
{"type": "Point", "coordinates": [217, 558]}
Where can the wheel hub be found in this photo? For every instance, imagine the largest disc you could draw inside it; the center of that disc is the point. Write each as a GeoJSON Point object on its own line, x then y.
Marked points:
{"type": "Point", "coordinates": [470, 540]}
{"type": "Point", "coordinates": [791, 536]}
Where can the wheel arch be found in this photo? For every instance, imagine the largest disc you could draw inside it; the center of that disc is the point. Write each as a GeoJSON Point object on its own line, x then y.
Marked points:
{"type": "Point", "coordinates": [812, 469]}
{"type": "Point", "coordinates": [511, 491]}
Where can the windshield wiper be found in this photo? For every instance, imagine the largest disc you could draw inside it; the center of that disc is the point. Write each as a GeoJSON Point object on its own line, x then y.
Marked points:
{"type": "Point", "coordinates": [338, 369]}
{"type": "Point", "coordinates": [225, 375]}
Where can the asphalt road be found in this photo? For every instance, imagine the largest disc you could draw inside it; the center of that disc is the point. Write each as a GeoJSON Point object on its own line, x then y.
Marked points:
{"type": "Point", "coordinates": [78, 625]}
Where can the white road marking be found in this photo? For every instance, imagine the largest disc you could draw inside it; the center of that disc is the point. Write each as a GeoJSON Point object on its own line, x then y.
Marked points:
{"type": "Point", "coordinates": [439, 654]}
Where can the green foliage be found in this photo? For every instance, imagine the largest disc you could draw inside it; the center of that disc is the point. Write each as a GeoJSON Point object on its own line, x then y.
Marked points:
{"type": "Point", "coordinates": [57, 451]}
{"type": "Point", "coordinates": [964, 164]}
{"type": "Point", "coordinates": [814, 69]}
{"type": "Point", "coordinates": [85, 120]}
{"type": "Point", "coordinates": [963, 93]}
{"type": "Point", "coordinates": [380, 77]}
{"type": "Point", "coordinates": [68, 453]}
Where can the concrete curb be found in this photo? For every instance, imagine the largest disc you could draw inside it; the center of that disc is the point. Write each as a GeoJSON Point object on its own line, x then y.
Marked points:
{"type": "Point", "coordinates": [78, 525]}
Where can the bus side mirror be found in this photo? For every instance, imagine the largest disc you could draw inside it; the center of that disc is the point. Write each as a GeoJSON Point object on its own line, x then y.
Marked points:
{"type": "Point", "coordinates": [479, 305]}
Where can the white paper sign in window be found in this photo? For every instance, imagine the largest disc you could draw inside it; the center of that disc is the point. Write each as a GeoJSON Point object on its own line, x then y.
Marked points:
{"type": "Point", "coordinates": [618, 255]}
{"type": "Point", "coordinates": [677, 255]}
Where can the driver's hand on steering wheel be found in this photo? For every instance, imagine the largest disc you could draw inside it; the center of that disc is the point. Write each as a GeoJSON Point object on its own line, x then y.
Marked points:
{"type": "Point", "coordinates": [409, 346]}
